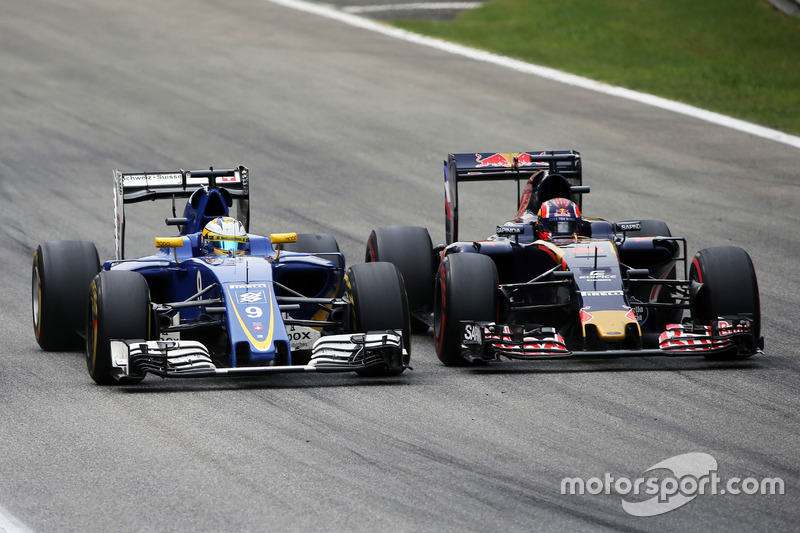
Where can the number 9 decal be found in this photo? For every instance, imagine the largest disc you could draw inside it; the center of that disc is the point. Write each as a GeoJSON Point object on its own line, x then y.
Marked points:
{"type": "Point", "coordinates": [253, 311]}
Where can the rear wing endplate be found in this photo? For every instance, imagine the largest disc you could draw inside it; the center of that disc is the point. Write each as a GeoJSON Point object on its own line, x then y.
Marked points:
{"type": "Point", "coordinates": [141, 186]}
{"type": "Point", "coordinates": [518, 166]}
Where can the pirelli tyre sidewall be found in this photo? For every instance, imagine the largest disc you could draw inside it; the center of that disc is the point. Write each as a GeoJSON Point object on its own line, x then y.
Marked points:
{"type": "Point", "coordinates": [466, 289]}
{"type": "Point", "coordinates": [729, 286]}
{"type": "Point", "coordinates": [378, 302]}
{"type": "Point", "coordinates": [119, 308]}
{"type": "Point", "coordinates": [409, 248]}
{"type": "Point", "coordinates": [60, 279]}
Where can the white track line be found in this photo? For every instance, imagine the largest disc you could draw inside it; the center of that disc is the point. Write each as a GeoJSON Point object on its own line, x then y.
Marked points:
{"type": "Point", "coordinates": [9, 524]}
{"type": "Point", "coordinates": [543, 72]}
{"type": "Point", "coordinates": [418, 6]}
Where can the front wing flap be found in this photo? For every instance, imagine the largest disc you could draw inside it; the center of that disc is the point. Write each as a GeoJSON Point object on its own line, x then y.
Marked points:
{"type": "Point", "coordinates": [184, 358]}
{"type": "Point", "coordinates": [487, 341]}
{"type": "Point", "coordinates": [724, 335]}
{"type": "Point", "coordinates": [483, 341]}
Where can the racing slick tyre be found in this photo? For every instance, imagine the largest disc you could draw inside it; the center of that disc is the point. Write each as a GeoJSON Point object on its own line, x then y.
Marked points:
{"type": "Point", "coordinates": [315, 243]}
{"type": "Point", "coordinates": [378, 302]}
{"type": "Point", "coordinates": [466, 289]}
{"type": "Point", "coordinates": [409, 248]}
{"type": "Point", "coordinates": [119, 308]}
{"type": "Point", "coordinates": [729, 287]}
{"type": "Point", "coordinates": [62, 271]}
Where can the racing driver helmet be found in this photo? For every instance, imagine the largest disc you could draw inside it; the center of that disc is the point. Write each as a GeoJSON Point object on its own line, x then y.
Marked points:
{"type": "Point", "coordinates": [224, 236]}
{"type": "Point", "coordinates": [558, 219]}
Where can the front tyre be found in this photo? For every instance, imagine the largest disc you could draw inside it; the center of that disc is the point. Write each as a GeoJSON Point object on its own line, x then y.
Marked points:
{"type": "Point", "coordinates": [466, 289]}
{"type": "Point", "coordinates": [60, 278]}
{"type": "Point", "coordinates": [378, 302]}
{"type": "Point", "coordinates": [729, 287]}
{"type": "Point", "coordinates": [119, 308]}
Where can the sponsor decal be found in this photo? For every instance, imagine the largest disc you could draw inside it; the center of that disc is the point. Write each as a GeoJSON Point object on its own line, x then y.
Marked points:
{"type": "Point", "coordinates": [251, 297]}
{"type": "Point", "coordinates": [598, 275]}
{"type": "Point", "coordinates": [509, 230]}
{"type": "Point", "coordinates": [249, 286]}
{"type": "Point", "coordinates": [602, 293]}
{"type": "Point", "coordinates": [524, 160]}
{"type": "Point", "coordinates": [629, 226]}
{"type": "Point", "coordinates": [299, 335]}
{"type": "Point", "coordinates": [507, 160]}
{"type": "Point", "coordinates": [639, 310]}
{"type": "Point", "coordinates": [141, 180]}
{"type": "Point", "coordinates": [302, 337]}
{"type": "Point", "coordinates": [472, 334]}
{"type": "Point", "coordinates": [494, 160]}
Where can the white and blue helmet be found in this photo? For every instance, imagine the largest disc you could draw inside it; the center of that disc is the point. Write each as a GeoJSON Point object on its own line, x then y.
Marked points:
{"type": "Point", "coordinates": [224, 236]}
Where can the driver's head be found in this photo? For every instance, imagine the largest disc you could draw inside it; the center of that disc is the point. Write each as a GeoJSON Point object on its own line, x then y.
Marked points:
{"type": "Point", "coordinates": [224, 236]}
{"type": "Point", "coordinates": [558, 219]}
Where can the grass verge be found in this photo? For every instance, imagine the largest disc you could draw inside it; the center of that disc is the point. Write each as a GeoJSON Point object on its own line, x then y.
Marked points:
{"type": "Point", "coordinates": [736, 57]}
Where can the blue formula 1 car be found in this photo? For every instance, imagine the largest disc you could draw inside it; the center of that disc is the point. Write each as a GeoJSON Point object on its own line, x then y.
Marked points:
{"type": "Point", "coordinates": [216, 299]}
{"type": "Point", "coordinates": [550, 283]}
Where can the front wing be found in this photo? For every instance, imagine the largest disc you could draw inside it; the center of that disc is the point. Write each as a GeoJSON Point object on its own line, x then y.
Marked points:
{"type": "Point", "coordinates": [487, 341]}
{"type": "Point", "coordinates": [183, 358]}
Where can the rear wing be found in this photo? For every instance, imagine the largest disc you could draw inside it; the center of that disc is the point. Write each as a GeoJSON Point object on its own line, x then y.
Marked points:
{"type": "Point", "coordinates": [142, 186]}
{"type": "Point", "coordinates": [501, 167]}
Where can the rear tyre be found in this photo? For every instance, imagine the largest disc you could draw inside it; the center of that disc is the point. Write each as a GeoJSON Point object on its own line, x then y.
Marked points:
{"type": "Point", "coordinates": [60, 279]}
{"type": "Point", "coordinates": [730, 287]}
{"type": "Point", "coordinates": [378, 302]}
{"type": "Point", "coordinates": [466, 289]}
{"type": "Point", "coordinates": [316, 243]}
{"type": "Point", "coordinates": [409, 248]}
{"type": "Point", "coordinates": [119, 308]}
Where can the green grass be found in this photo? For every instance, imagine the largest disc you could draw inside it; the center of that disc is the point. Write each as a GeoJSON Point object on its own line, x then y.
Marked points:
{"type": "Point", "coordinates": [736, 57]}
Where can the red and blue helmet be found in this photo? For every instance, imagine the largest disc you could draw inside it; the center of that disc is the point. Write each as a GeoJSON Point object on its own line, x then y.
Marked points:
{"type": "Point", "coordinates": [558, 219]}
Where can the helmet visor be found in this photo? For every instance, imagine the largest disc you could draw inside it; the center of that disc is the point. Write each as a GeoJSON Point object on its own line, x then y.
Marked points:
{"type": "Point", "coordinates": [562, 228]}
{"type": "Point", "coordinates": [224, 244]}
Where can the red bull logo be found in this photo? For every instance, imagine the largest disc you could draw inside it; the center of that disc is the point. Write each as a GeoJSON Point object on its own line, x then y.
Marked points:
{"type": "Point", "coordinates": [494, 160]}
{"type": "Point", "coordinates": [524, 159]}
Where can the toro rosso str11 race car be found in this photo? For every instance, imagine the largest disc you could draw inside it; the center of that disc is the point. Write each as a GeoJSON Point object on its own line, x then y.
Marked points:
{"type": "Point", "coordinates": [216, 299]}
{"type": "Point", "coordinates": [550, 283]}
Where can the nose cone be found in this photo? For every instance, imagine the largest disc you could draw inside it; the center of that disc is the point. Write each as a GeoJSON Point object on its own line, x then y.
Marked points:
{"type": "Point", "coordinates": [611, 325]}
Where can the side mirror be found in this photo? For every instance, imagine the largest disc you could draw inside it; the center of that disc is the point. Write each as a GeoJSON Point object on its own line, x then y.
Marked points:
{"type": "Point", "coordinates": [281, 238]}
{"type": "Point", "coordinates": [169, 242]}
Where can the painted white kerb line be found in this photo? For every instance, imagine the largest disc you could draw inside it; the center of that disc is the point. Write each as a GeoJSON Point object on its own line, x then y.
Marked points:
{"type": "Point", "coordinates": [9, 524]}
{"type": "Point", "coordinates": [543, 72]}
{"type": "Point", "coordinates": [418, 6]}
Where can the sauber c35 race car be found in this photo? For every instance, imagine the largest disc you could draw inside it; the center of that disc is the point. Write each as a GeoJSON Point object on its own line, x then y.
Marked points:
{"type": "Point", "coordinates": [599, 289]}
{"type": "Point", "coordinates": [216, 302]}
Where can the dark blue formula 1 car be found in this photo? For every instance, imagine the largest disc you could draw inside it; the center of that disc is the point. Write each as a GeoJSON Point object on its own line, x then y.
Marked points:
{"type": "Point", "coordinates": [551, 283]}
{"type": "Point", "coordinates": [216, 299]}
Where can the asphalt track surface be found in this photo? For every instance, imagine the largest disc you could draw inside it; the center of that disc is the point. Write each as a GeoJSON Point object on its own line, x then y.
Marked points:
{"type": "Point", "coordinates": [345, 130]}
